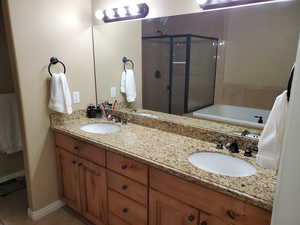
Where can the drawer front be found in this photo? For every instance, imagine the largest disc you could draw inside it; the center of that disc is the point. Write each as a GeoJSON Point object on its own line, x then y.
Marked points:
{"type": "Point", "coordinates": [67, 143]}
{"type": "Point", "coordinates": [226, 208]}
{"type": "Point", "coordinates": [114, 220]}
{"type": "Point", "coordinates": [92, 153]}
{"type": "Point", "coordinates": [127, 167]}
{"type": "Point", "coordinates": [128, 210]}
{"type": "Point", "coordinates": [127, 187]}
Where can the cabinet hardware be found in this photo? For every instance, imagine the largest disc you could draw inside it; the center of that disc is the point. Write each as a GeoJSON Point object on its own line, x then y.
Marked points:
{"type": "Point", "coordinates": [191, 218]}
{"type": "Point", "coordinates": [74, 162]}
{"type": "Point", "coordinates": [76, 147]}
{"type": "Point", "coordinates": [231, 214]}
{"type": "Point", "coordinates": [125, 210]}
{"type": "Point", "coordinates": [204, 223]}
{"type": "Point", "coordinates": [80, 164]}
{"type": "Point", "coordinates": [124, 187]}
{"type": "Point", "coordinates": [124, 167]}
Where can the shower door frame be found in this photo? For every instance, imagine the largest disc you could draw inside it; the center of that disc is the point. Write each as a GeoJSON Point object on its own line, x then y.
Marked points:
{"type": "Point", "coordinates": [187, 65]}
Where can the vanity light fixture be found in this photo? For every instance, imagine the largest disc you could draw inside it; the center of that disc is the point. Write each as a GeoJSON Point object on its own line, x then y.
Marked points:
{"type": "Point", "coordinates": [129, 12]}
{"type": "Point", "coordinates": [217, 4]}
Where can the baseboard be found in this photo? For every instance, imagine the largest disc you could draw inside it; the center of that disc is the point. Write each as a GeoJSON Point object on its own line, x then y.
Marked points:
{"type": "Point", "coordinates": [12, 176]}
{"type": "Point", "coordinates": [39, 214]}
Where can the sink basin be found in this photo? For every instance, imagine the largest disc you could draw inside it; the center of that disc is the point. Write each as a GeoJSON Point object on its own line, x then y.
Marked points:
{"type": "Point", "coordinates": [221, 164]}
{"type": "Point", "coordinates": [149, 115]}
{"type": "Point", "coordinates": [100, 128]}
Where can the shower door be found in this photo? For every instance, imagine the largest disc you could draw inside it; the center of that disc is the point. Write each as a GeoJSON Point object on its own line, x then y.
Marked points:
{"type": "Point", "coordinates": [156, 74]}
{"type": "Point", "coordinates": [178, 73]}
{"type": "Point", "coordinates": [201, 73]}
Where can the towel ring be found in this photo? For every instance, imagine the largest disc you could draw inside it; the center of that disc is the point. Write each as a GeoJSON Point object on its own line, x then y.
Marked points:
{"type": "Point", "coordinates": [290, 83]}
{"type": "Point", "coordinates": [54, 61]}
{"type": "Point", "coordinates": [125, 60]}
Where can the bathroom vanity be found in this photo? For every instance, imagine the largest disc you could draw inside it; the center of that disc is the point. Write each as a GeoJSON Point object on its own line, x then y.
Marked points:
{"type": "Point", "coordinates": [139, 176]}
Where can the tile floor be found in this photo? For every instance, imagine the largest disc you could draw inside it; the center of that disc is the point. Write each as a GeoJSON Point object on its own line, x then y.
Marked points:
{"type": "Point", "coordinates": [13, 211]}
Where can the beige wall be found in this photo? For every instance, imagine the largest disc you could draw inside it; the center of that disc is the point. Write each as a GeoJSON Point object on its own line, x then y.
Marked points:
{"type": "Point", "coordinates": [41, 29]}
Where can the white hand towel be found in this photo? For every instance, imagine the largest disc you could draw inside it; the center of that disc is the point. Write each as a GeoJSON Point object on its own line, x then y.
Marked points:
{"type": "Point", "coordinates": [123, 82]}
{"type": "Point", "coordinates": [10, 134]}
{"type": "Point", "coordinates": [128, 85]}
{"type": "Point", "coordinates": [271, 139]}
{"type": "Point", "coordinates": [60, 97]}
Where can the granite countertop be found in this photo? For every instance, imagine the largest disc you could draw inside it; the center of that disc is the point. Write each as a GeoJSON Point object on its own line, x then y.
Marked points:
{"type": "Point", "coordinates": [169, 152]}
{"type": "Point", "coordinates": [195, 122]}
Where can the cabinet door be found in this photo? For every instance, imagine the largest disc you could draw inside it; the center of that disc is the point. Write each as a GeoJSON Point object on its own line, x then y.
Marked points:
{"type": "Point", "coordinates": [68, 174]}
{"type": "Point", "coordinates": [166, 211]}
{"type": "Point", "coordinates": [93, 192]}
{"type": "Point", "coordinates": [206, 219]}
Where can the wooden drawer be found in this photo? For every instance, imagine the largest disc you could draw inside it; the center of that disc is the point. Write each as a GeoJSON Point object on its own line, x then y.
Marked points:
{"type": "Point", "coordinates": [114, 220]}
{"type": "Point", "coordinates": [128, 210]}
{"type": "Point", "coordinates": [225, 207]}
{"type": "Point", "coordinates": [127, 167]}
{"type": "Point", "coordinates": [127, 187]}
{"type": "Point", "coordinates": [92, 153]}
{"type": "Point", "coordinates": [67, 143]}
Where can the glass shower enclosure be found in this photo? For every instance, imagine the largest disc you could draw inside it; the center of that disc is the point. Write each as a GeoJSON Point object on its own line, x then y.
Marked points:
{"type": "Point", "coordinates": [179, 72]}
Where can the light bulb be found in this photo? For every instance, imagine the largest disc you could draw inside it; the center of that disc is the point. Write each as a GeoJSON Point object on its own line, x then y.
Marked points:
{"type": "Point", "coordinates": [99, 14]}
{"type": "Point", "coordinates": [134, 10]}
{"type": "Point", "coordinates": [110, 13]}
{"type": "Point", "coordinates": [122, 12]}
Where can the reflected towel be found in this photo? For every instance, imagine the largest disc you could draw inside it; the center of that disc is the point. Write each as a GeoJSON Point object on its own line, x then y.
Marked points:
{"type": "Point", "coordinates": [271, 139]}
{"type": "Point", "coordinates": [60, 96]}
{"type": "Point", "coordinates": [128, 85]}
{"type": "Point", "coordinates": [10, 134]}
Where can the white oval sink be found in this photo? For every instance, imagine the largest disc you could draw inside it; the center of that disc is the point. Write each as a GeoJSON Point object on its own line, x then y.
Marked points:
{"type": "Point", "coordinates": [100, 128]}
{"type": "Point", "coordinates": [149, 115]}
{"type": "Point", "coordinates": [221, 164]}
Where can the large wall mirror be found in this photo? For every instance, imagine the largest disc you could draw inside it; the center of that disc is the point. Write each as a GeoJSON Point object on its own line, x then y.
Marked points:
{"type": "Point", "coordinates": [226, 65]}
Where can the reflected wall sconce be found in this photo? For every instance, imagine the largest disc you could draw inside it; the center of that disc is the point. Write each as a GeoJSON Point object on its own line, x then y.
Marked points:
{"type": "Point", "coordinates": [217, 4]}
{"type": "Point", "coordinates": [130, 12]}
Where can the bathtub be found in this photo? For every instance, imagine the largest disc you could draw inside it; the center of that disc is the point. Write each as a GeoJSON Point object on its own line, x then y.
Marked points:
{"type": "Point", "coordinates": [236, 115]}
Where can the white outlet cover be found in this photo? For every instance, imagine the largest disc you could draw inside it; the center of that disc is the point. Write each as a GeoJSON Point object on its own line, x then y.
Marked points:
{"type": "Point", "coordinates": [76, 97]}
{"type": "Point", "coordinates": [113, 92]}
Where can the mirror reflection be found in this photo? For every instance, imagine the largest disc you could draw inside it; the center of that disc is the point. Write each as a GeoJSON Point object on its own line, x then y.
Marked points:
{"type": "Point", "coordinates": [226, 65]}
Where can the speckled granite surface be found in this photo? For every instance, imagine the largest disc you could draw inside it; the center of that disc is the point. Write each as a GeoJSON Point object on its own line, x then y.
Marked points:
{"type": "Point", "coordinates": [169, 152]}
{"type": "Point", "coordinates": [195, 128]}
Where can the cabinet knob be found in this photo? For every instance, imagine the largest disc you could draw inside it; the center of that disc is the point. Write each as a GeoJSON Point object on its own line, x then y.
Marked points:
{"type": "Point", "coordinates": [232, 214]}
{"type": "Point", "coordinates": [125, 210]}
{"type": "Point", "coordinates": [124, 167]}
{"type": "Point", "coordinates": [124, 187]}
{"type": "Point", "coordinates": [74, 162]}
{"type": "Point", "coordinates": [80, 164]}
{"type": "Point", "coordinates": [191, 218]}
{"type": "Point", "coordinates": [204, 223]}
{"type": "Point", "coordinates": [76, 148]}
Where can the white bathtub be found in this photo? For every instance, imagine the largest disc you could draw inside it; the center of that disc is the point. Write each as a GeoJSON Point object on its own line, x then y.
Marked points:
{"type": "Point", "coordinates": [237, 115]}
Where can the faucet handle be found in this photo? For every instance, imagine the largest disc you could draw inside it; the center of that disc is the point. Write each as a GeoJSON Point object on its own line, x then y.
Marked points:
{"type": "Point", "coordinates": [220, 143]}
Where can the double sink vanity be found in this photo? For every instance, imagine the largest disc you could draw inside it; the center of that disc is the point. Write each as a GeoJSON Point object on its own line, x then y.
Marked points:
{"type": "Point", "coordinates": [158, 172]}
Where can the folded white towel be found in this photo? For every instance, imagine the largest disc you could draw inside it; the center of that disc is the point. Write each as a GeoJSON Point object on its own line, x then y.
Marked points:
{"type": "Point", "coordinates": [128, 85]}
{"type": "Point", "coordinates": [60, 96]}
{"type": "Point", "coordinates": [10, 134]}
{"type": "Point", "coordinates": [271, 139]}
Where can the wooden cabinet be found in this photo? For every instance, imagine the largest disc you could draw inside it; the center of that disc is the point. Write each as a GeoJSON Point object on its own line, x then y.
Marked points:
{"type": "Point", "coordinates": [127, 191]}
{"type": "Point", "coordinates": [93, 192]}
{"type": "Point", "coordinates": [83, 186]}
{"type": "Point", "coordinates": [68, 172]}
{"type": "Point", "coordinates": [164, 210]}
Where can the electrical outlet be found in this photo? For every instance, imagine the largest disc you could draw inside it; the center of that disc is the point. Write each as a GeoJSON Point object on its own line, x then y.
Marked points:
{"type": "Point", "coordinates": [76, 97]}
{"type": "Point", "coordinates": [113, 92]}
